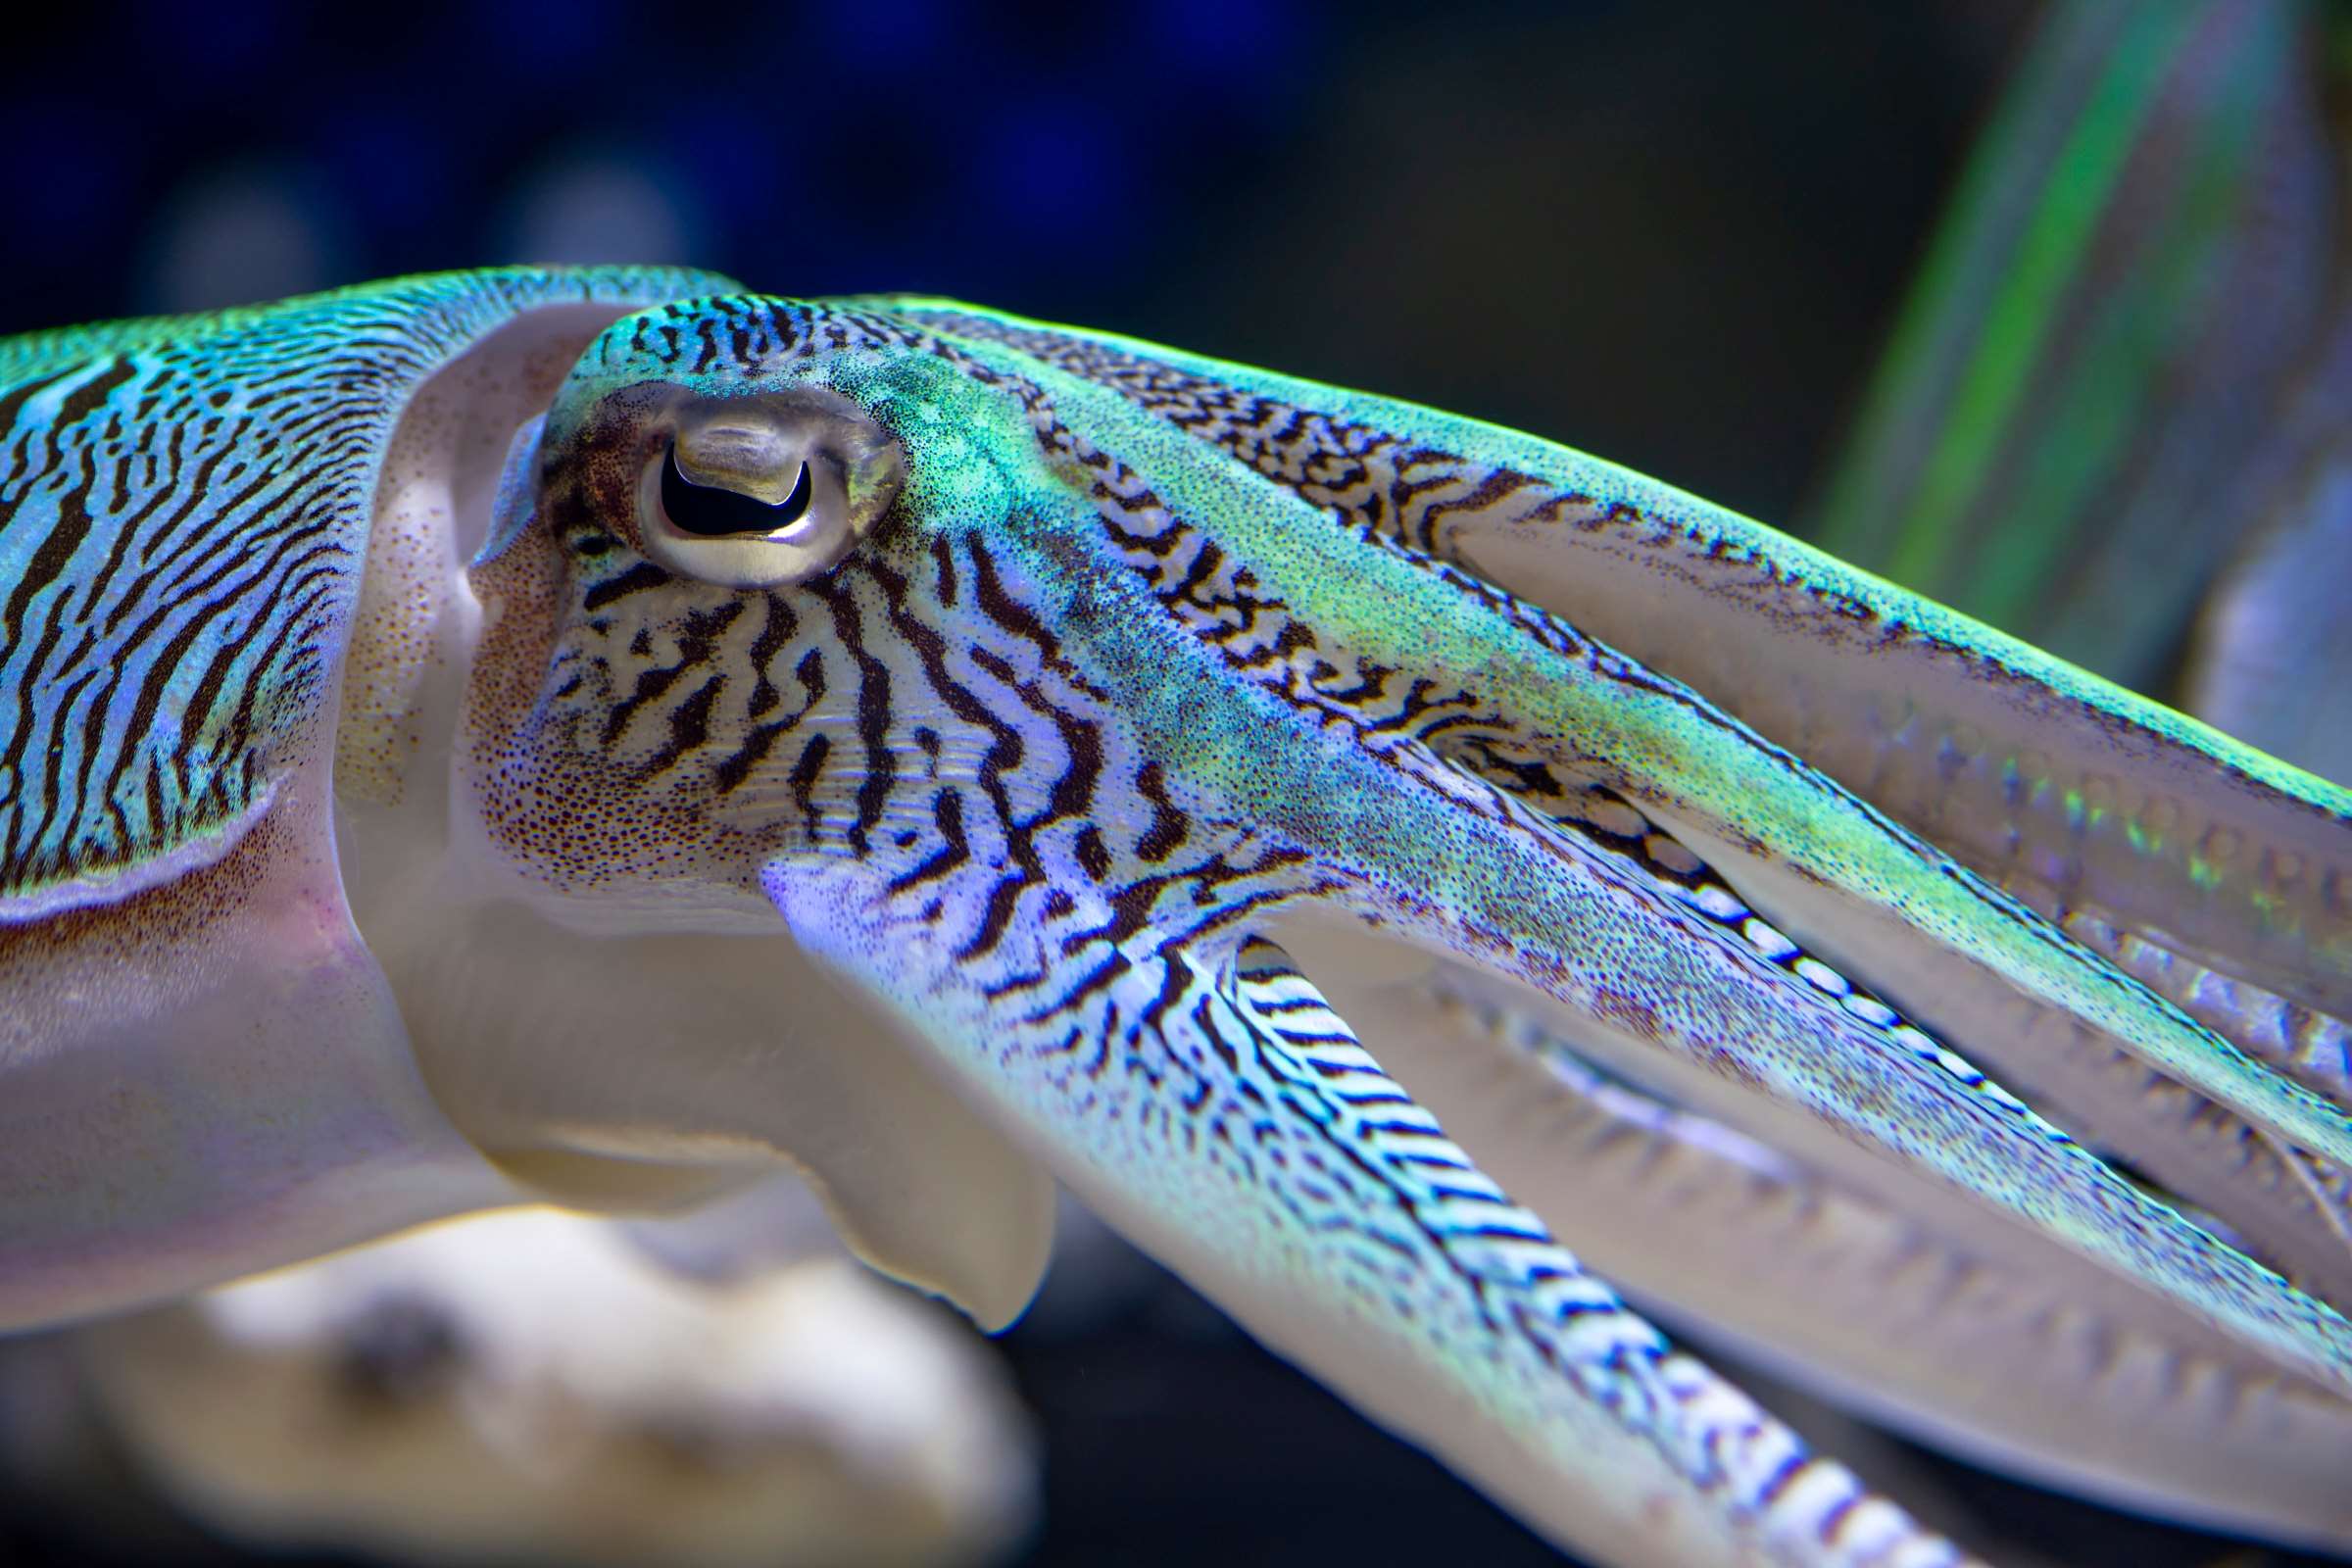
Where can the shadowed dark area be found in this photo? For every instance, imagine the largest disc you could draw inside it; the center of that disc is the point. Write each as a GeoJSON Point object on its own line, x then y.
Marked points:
{"type": "Point", "coordinates": [1669, 232]}
{"type": "Point", "coordinates": [1666, 232]}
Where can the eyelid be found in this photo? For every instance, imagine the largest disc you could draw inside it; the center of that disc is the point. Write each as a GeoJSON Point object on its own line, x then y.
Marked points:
{"type": "Point", "coordinates": [746, 455]}
{"type": "Point", "coordinates": [756, 558]}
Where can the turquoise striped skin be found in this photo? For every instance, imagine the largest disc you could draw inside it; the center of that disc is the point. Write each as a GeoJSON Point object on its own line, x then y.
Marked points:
{"type": "Point", "coordinates": [1199, 784]}
{"type": "Point", "coordinates": [205, 483]}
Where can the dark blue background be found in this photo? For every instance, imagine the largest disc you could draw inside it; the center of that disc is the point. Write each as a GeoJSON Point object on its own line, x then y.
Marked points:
{"type": "Point", "coordinates": [1664, 231]}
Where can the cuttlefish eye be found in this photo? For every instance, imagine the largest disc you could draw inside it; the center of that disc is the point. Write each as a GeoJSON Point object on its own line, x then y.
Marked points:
{"type": "Point", "coordinates": [765, 491]}
{"type": "Point", "coordinates": [713, 511]}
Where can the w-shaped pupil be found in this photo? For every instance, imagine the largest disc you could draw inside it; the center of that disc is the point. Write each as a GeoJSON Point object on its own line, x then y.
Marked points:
{"type": "Point", "coordinates": [713, 510]}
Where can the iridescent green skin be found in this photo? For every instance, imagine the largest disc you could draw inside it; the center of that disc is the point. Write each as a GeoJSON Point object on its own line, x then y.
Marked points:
{"type": "Point", "coordinates": [1200, 783]}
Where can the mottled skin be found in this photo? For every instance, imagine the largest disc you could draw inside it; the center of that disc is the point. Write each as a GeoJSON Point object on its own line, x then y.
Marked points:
{"type": "Point", "coordinates": [1196, 782]}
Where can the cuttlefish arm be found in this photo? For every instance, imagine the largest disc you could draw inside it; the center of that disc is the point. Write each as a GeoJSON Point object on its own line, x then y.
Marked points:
{"type": "Point", "coordinates": [2011, 762]}
{"type": "Point", "coordinates": [1714, 807]}
{"type": "Point", "coordinates": [1201, 1096]}
{"type": "Point", "coordinates": [2006, 1350]}
{"type": "Point", "coordinates": [2067, 789]}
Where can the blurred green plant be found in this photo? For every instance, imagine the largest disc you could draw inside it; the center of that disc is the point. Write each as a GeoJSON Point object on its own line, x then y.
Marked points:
{"type": "Point", "coordinates": [2109, 415]}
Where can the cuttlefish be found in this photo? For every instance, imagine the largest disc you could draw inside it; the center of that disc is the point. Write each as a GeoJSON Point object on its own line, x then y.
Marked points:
{"type": "Point", "coordinates": [598, 736]}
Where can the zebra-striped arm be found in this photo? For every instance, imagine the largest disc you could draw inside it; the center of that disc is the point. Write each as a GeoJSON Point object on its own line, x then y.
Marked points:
{"type": "Point", "coordinates": [1193, 1087]}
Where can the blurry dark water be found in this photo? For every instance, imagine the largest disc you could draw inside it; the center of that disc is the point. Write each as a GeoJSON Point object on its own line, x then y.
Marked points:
{"type": "Point", "coordinates": [1665, 231]}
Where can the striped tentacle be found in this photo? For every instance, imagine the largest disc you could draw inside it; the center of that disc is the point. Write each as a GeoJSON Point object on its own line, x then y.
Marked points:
{"type": "Point", "coordinates": [2009, 1351]}
{"type": "Point", "coordinates": [1190, 1074]}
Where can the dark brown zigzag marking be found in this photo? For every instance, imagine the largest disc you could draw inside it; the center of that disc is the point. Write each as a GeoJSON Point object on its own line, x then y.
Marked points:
{"type": "Point", "coordinates": [689, 726]}
{"type": "Point", "coordinates": [1004, 610]}
{"type": "Point", "coordinates": [811, 673]}
{"type": "Point", "coordinates": [873, 710]}
{"type": "Point", "coordinates": [806, 770]}
{"type": "Point", "coordinates": [1006, 748]}
{"type": "Point", "coordinates": [776, 631]}
{"type": "Point", "coordinates": [1169, 824]}
{"type": "Point", "coordinates": [1073, 792]}
{"type": "Point", "coordinates": [643, 575]}
{"type": "Point", "coordinates": [954, 851]}
{"type": "Point", "coordinates": [690, 721]}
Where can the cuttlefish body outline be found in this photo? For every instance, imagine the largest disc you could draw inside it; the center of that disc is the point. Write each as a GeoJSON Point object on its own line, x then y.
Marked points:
{"type": "Point", "coordinates": [596, 735]}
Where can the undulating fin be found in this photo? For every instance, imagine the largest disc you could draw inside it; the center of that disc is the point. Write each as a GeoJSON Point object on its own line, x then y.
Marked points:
{"type": "Point", "coordinates": [202, 1069]}
{"type": "Point", "coordinates": [2076, 418]}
